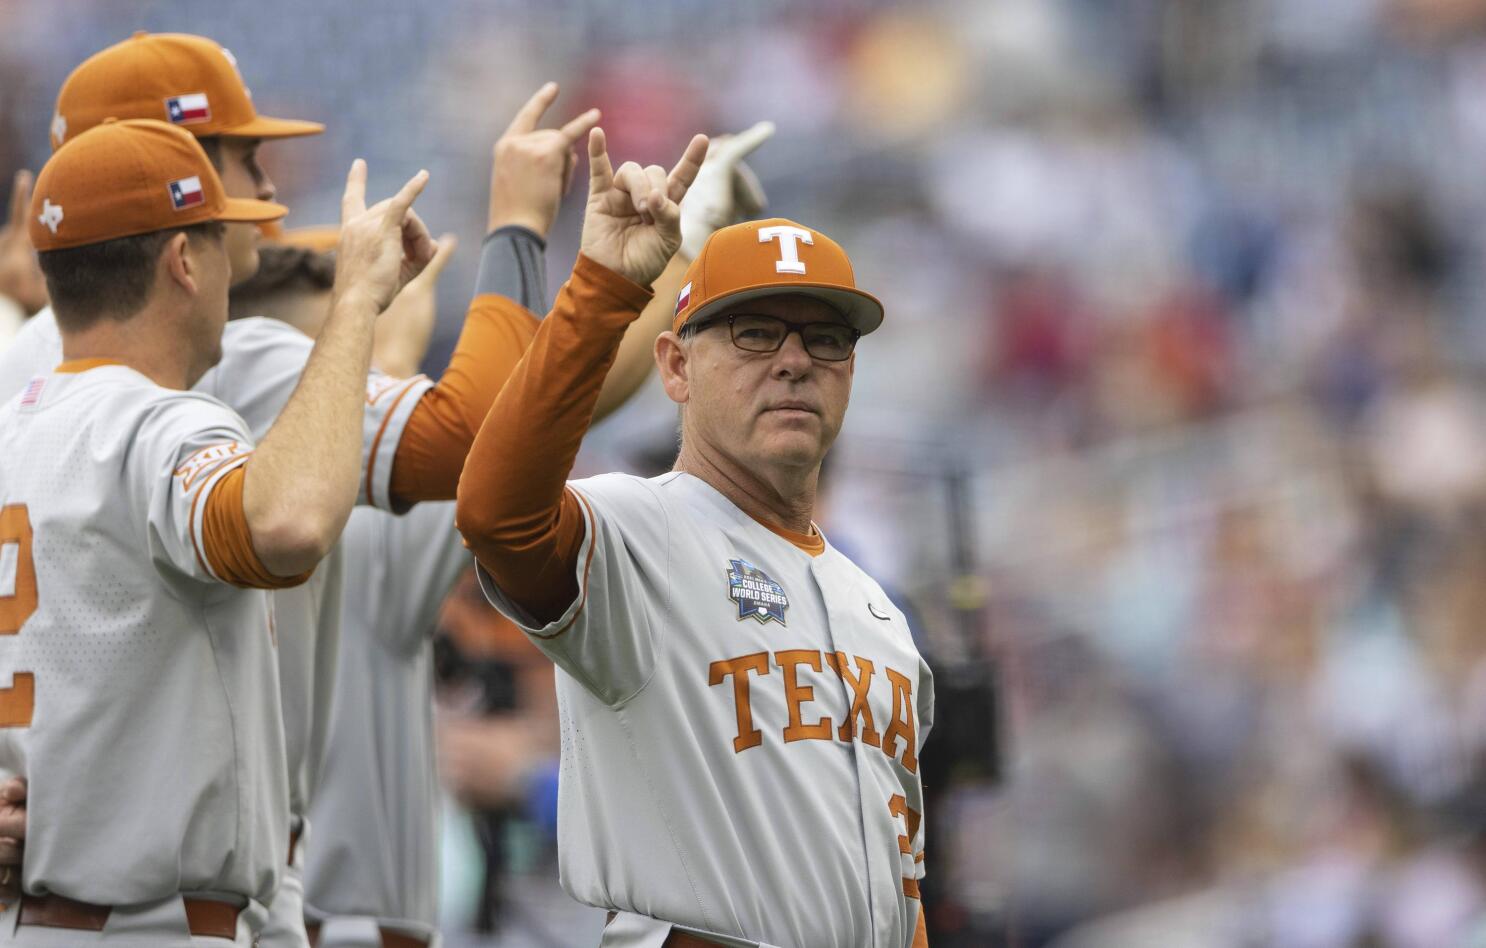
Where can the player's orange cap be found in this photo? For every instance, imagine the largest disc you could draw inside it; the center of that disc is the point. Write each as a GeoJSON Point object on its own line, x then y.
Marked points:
{"type": "Point", "coordinates": [771, 258]}
{"type": "Point", "coordinates": [177, 78]}
{"type": "Point", "coordinates": [127, 178]}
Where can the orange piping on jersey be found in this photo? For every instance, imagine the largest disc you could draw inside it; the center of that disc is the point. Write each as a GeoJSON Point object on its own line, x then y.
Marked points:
{"type": "Point", "coordinates": [522, 524]}
{"type": "Point", "coordinates": [228, 541]}
{"type": "Point", "coordinates": [813, 542]}
{"type": "Point", "coordinates": [910, 887]}
{"type": "Point", "coordinates": [371, 460]}
{"type": "Point", "coordinates": [195, 546]}
{"type": "Point", "coordinates": [431, 451]}
{"type": "Point", "coordinates": [83, 365]}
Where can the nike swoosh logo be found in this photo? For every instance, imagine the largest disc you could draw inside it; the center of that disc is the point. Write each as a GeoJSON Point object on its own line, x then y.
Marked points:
{"type": "Point", "coordinates": [877, 615]}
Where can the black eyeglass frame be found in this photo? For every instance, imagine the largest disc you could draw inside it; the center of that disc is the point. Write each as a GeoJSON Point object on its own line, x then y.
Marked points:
{"type": "Point", "coordinates": [789, 327]}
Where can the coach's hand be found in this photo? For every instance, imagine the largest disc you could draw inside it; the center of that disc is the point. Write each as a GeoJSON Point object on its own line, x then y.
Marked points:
{"type": "Point", "coordinates": [633, 221]}
{"type": "Point", "coordinates": [533, 167]}
{"type": "Point", "coordinates": [382, 247]}
{"type": "Point", "coordinates": [12, 837]}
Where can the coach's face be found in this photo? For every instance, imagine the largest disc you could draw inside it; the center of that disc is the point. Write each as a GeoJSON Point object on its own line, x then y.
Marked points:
{"type": "Point", "coordinates": [243, 177]}
{"type": "Point", "coordinates": [781, 408]}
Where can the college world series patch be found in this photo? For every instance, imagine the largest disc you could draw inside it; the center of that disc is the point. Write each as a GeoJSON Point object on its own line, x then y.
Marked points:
{"type": "Point", "coordinates": [755, 593]}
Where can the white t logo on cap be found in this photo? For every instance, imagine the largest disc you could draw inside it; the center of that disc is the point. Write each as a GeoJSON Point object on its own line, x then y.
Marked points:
{"type": "Point", "coordinates": [789, 250]}
{"type": "Point", "coordinates": [51, 214]}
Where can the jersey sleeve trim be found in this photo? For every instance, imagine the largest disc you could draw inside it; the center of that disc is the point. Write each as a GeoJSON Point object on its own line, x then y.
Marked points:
{"type": "Point", "coordinates": [587, 557]}
{"type": "Point", "coordinates": [198, 509]}
{"type": "Point", "coordinates": [377, 488]}
{"type": "Point", "coordinates": [227, 542]}
{"type": "Point", "coordinates": [554, 629]}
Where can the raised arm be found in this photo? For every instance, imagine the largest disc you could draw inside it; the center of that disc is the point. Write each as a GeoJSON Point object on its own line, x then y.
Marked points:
{"type": "Point", "coordinates": [530, 169]}
{"type": "Point", "coordinates": [21, 282]}
{"type": "Point", "coordinates": [400, 340]}
{"type": "Point", "coordinates": [523, 527]}
{"type": "Point", "coordinates": [725, 191]}
{"type": "Point", "coordinates": [300, 485]}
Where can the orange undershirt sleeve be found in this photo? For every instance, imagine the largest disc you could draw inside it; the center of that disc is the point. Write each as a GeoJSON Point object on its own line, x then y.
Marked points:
{"type": "Point", "coordinates": [524, 527]}
{"type": "Point", "coordinates": [431, 451]}
{"type": "Point", "coordinates": [228, 543]}
{"type": "Point", "coordinates": [921, 935]}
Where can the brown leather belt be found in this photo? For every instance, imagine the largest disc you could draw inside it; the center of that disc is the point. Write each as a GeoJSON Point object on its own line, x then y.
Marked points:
{"type": "Point", "coordinates": [678, 939]}
{"type": "Point", "coordinates": [205, 917]}
{"type": "Point", "coordinates": [390, 938]}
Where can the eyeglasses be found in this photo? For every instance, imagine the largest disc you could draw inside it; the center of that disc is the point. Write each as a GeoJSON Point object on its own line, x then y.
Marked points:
{"type": "Point", "coordinates": [755, 332]}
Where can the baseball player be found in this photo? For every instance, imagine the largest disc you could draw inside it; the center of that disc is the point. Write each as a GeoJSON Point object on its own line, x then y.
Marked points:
{"type": "Point", "coordinates": [22, 287]}
{"type": "Point", "coordinates": [742, 708]}
{"type": "Point", "coordinates": [414, 433]}
{"type": "Point", "coordinates": [141, 527]}
{"type": "Point", "coordinates": [373, 868]}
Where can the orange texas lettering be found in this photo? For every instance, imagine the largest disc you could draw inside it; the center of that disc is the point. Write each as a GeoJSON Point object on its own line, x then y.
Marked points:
{"type": "Point", "coordinates": [746, 672]}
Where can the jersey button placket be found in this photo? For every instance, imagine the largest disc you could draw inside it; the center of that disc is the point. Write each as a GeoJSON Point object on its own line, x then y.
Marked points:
{"type": "Point", "coordinates": [840, 638]}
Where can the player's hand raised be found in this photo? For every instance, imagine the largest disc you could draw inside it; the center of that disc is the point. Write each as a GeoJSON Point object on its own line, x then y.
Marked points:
{"type": "Point", "coordinates": [633, 221]}
{"type": "Point", "coordinates": [20, 275]}
{"type": "Point", "coordinates": [382, 247]}
{"type": "Point", "coordinates": [533, 167]}
{"type": "Point", "coordinates": [403, 333]}
{"type": "Point", "coordinates": [726, 189]}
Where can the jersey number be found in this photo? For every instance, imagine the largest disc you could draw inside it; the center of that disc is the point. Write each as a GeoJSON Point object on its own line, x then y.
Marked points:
{"type": "Point", "coordinates": [17, 602]}
{"type": "Point", "coordinates": [898, 806]}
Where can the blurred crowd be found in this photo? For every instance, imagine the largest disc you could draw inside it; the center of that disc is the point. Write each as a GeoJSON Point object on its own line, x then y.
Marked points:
{"type": "Point", "coordinates": [1184, 306]}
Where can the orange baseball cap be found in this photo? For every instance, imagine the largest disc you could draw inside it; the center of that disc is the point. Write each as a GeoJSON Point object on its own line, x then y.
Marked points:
{"type": "Point", "coordinates": [127, 178]}
{"type": "Point", "coordinates": [183, 80]}
{"type": "Point", "coordinates": [772, 258]}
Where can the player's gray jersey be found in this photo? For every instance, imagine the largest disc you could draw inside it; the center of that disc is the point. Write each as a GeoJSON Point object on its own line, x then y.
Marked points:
{"type": "Point", "coordinates": [375, 816]}
{"type": "Point", "coordinates": [154, 748]}
{"type": "Point", "coordinates": [740, 726]}
{"type": "Point", "coordinates": [262, 360]}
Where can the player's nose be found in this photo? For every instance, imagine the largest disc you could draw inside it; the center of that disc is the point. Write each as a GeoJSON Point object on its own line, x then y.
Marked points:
{"type": "Point", "coordinates": [792, 361]}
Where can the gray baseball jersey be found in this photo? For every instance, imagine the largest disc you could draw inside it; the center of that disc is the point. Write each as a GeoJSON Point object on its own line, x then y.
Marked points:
{"type": "Point", "coordinates": [375, 852]}
{"type": "Point", "coordinates": [151, 732]}
{"type": "Point", "coordinates": [741, 723]}
{"type": "Point", "coordinates": [261, 363]}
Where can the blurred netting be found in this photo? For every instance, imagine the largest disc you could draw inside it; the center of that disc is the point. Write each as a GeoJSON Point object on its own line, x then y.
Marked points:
{"type": "Point", "coordinates": [1186, 298]}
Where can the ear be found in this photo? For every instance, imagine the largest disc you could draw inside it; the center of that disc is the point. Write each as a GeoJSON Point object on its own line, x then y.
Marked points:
{"type": "Point", "coordinates": [672, 360]}
{"type": "Point", "coordinates": [181, 268]}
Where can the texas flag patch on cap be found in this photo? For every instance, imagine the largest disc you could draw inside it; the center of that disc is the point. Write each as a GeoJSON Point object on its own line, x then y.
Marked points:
{"type": "Point", "coordinates": [188, 109]}
{"type": "Point", "coordinates": [682, 299]}
{"type": "Point", "coordinates": [186, 193]}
